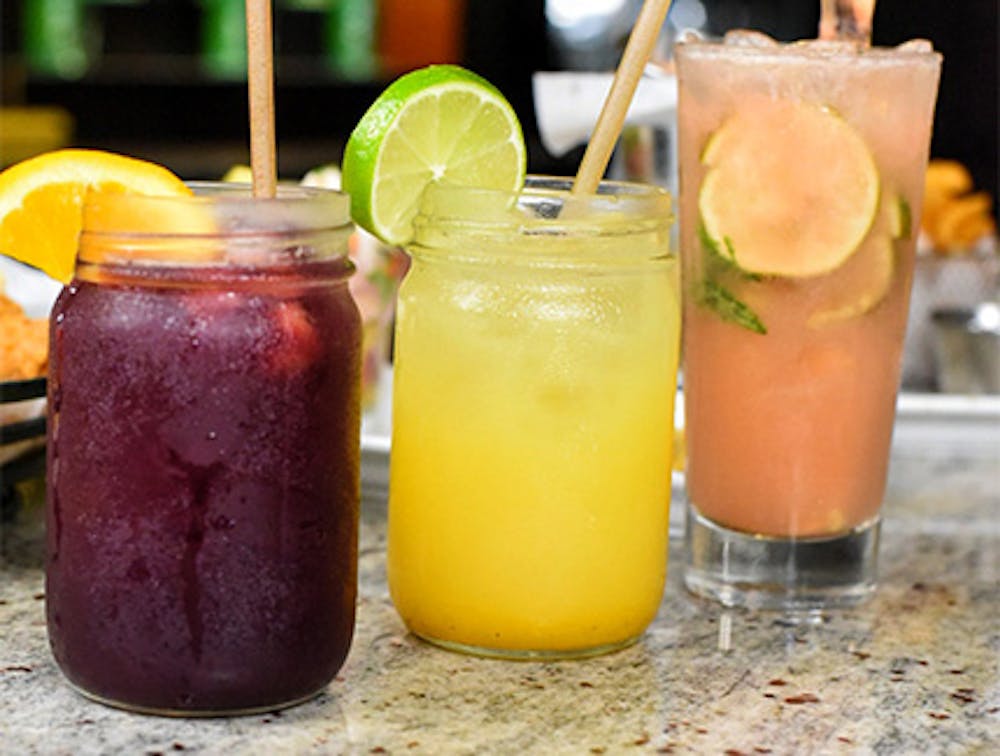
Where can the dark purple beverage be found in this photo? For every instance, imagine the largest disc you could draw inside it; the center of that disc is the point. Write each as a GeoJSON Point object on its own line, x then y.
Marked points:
{"type": "Point", "coordinates": [203, 482]}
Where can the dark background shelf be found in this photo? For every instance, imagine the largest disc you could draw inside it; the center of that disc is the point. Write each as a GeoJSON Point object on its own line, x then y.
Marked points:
{"type": "Point", "coordinates": [148, 92]}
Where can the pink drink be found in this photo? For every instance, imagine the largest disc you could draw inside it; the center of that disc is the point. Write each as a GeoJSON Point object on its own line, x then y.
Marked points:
{"type": "Point", "coordinates": [203, 479]}
{"type": "Point", "coordinates": [802, 172]}
{"type": "Point", "coordinates": [802, 421]}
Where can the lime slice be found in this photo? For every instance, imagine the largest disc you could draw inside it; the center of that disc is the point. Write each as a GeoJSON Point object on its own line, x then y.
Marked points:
{"type": "Point", "coordinates": [791, 187]}
{"type": "Point", "coordinates": [440, 123]}
{"type": "Point", "coordinates": [857, 286]}
{"type": "Point", "coordinates": [900, 218]}
{"type": "Point", "coordinates": [863, 283]}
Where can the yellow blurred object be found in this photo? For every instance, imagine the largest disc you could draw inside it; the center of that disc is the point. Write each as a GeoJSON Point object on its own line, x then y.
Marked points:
{"type": "Point", "coordinates": [26, 131]}
{"type": "Point", "coordinates": [239, 174]}
{"type": "Point", "coordinates": [954, 218]}
{"type": "Point", "coordinates": [41, 201]}
{"type": "Point", "coordinates": [24, 342]}
{"type": "Point", "coordinates": [680, 450]}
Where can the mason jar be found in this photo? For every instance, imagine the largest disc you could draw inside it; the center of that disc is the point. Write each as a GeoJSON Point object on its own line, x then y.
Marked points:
{"type": "Point", "coordinates": [203, 463]}
{"type": "Point", "coordinates": [534, 381]}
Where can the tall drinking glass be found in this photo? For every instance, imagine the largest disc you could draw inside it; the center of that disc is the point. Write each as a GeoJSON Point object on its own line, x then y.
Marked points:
{"type": "Point", "coordinates": [535, 368]}
{"type": "Point", "coordinates": [203, 452]}
{"type": "Point", "coordinates": [802, 171]}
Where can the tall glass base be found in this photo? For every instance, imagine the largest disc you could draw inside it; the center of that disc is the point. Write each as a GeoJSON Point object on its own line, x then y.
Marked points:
{"type": "Point", "coordinates": [792, 574]}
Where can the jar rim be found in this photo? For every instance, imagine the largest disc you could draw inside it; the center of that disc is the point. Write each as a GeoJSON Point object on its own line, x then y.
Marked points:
{"type": "Point", "coordinates": [219, 224]}
{"type": "Point", "coordinates": [236, 211]}
{"type": "Point", "coordinates": [543, 221]}
{"type": "Point", "coordinates": [547, 196]}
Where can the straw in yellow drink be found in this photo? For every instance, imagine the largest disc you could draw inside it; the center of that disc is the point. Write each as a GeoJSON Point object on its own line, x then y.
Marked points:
{"type": "Point", "coordinates": [529, 487]}
{"type": "Point", "coordinates": [535, 363]}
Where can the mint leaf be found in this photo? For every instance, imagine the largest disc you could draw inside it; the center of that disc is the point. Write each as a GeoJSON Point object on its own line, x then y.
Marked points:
{"type": "Point", "coordinates": [719, 299]}
{"type": "Point", "coordinates": [720, 263]}
{"type": "Point", "coordinates": [905, 218]}
{"type": "Point", "coordinates": [722, 259]}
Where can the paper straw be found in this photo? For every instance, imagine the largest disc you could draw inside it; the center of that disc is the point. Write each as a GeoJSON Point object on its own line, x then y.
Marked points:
{"type": "Point", "coordinates": [609, 124]}
{"type": "Point", "coordinates": [849, 20]}
{"type": "Point", "coordinates": [260, 78]}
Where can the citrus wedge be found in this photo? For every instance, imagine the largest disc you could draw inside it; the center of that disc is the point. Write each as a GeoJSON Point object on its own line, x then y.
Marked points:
{"type": "Point", "coordinates": [865, 280]}
{"type": "Point", "coordinates": [440, 123]}
{"type": "Point", "coordinates": [41, 201]}
{"type": "Point", "coordinates": [790, 187]}
{"type": "Point", "coordinates": [861, 283]}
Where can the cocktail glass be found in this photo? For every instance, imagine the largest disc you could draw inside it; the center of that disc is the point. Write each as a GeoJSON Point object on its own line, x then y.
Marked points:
{"type": "Point", "coordinates": [802, 172]}
{"type": "Point", "coordinates": [203, 472]}
{"type": "Point", "coordinates": [534, 380]}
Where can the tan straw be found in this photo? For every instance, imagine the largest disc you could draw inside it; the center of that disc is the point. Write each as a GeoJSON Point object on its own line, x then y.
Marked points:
{"type": "Point", "coordinates": [609, 124]}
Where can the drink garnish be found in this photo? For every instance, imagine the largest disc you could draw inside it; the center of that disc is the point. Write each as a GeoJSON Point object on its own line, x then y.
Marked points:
{"type": "Point", "coordinates": [861, 283]}
{"type": "Point", "coordinates": [441, 123]}
{"type": "Point", "coordinates": [712, 293]}
{"type": "Point", "coordinates": [792, 185]}
{"type": "Point", "coordinates": [718, 262]}
{"type": "Point", "coordinates": [905, 215]}
{"type": "Point", "coordinates": [41, 201]}
{"type": "Point", "coordinates": [717, 297]}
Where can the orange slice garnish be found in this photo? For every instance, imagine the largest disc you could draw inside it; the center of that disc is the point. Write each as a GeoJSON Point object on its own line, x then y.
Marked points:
{"type": "Point", "coordinates": [41, 201]}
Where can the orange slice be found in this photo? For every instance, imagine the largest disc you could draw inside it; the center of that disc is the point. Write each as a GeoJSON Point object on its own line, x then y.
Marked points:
{"type": "Point", "coordinates": [41, 201]}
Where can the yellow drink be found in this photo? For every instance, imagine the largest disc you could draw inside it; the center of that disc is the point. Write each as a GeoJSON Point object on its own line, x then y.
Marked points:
{"type": "Point", "coordinates": [532, 425]}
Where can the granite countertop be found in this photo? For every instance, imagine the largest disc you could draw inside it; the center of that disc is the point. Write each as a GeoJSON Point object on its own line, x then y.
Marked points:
{"type": "Point", "coordinates": [915, 670]}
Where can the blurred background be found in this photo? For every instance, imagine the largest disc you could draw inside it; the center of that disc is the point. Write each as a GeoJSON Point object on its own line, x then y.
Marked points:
{"type": "Point", "coordinates": [164, 79]}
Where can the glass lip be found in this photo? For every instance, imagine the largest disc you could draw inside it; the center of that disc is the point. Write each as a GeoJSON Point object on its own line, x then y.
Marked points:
{"type": "Point", "coordinates": [623, 224]}
{"type": "Point", "coordinates": [614, 204]}
{"type": "Point", "coordinates": [309, 209]}
{"type": "Point", "coordinates": [220, 225]}
{"type": "Point", "coordinates": [799, 51]}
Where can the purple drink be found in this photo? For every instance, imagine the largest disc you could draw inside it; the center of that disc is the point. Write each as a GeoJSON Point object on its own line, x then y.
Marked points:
{"type": "Point", "coordinates": [203, 473]}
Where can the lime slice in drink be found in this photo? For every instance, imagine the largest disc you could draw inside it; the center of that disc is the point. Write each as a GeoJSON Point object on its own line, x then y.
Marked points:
{"type": "Point", "coordinates": [790, 187]}
{"type": "Point", "coordinates": [440, 123]}
{"type": "Point", "coordinates": [862, 283]}
{"type": "Point", "coordinates": [858, 285]}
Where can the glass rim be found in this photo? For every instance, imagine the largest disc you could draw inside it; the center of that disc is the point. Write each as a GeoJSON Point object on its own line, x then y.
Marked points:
{"type": "Point", "coordinates": [636, 194]}
{"type": "Point", "coordinates": [555, 208]}
{"type": "Point", "coordinates": [545, 224]}
{"type": "Point", "coordinates": [807, 51]}
{"type": "Point", "coordinates": [221, 224]}
{"type": "Point", "coordinates": [294, 210]}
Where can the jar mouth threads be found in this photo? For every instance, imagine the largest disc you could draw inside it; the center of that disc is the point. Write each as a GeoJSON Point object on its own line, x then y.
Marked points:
{"type": "Point", "coordinates": [545, 221]}
{"type": "Point", "coordinates": [220, 224]}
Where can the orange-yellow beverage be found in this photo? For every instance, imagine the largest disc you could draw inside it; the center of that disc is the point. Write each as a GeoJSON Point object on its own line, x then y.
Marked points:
{"type": "Point", "coordinates": [801, 182]}
{"type": "Point", "coordinates": [532, 422]}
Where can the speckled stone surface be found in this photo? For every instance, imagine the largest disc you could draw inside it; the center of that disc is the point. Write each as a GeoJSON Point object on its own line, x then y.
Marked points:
{"type": "Point", "coordinates": [915, 670]}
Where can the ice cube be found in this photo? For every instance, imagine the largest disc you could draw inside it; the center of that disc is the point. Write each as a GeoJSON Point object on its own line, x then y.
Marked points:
{"type": "Point", "coordinates": [690, 35]}
{"type": "Point", "coordinates": [921, 46]}
{"type": "Point", "coordinates": [828, 46]}
{"type": "Point", "coordinates": [749, 38]}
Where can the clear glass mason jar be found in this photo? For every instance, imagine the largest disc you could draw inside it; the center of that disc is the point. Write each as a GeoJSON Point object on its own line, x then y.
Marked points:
{"type": "Point", "coordinates": [203, 472]}
{"type": "Point", "coordinates": [534, 381]}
